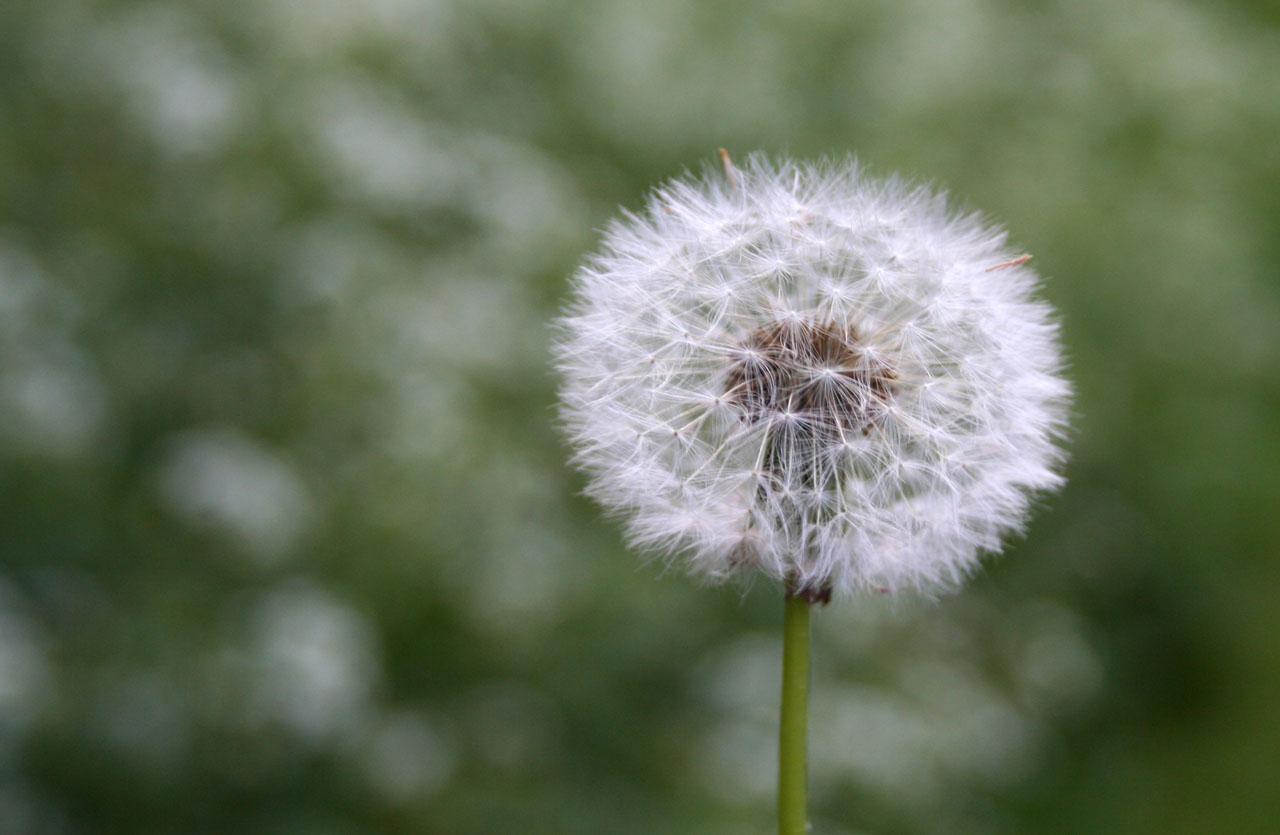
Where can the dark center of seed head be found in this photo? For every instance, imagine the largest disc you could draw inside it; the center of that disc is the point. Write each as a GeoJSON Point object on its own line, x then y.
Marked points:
{"type": "Point", "coordinates": [811, 375]}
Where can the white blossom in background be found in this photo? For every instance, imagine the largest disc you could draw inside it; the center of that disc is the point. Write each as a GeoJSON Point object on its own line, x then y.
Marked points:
{"type": "Point", "coordinates": [798, 370]}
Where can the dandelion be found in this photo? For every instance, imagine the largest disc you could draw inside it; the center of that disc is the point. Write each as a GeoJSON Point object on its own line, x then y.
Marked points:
{"type": "Point", "coordinates": [799, 371]}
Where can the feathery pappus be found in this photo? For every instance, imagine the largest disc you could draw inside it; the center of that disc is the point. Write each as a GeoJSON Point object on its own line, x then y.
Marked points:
{"type": "Point", "coordinates": [800, 370]}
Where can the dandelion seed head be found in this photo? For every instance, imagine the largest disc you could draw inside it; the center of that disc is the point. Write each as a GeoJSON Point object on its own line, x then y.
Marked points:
{"type": "Point", "coordinates": [801, 371]}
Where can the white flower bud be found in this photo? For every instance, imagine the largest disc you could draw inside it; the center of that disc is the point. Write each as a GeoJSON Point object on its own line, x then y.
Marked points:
{"type": "Point", "coordinates": [797, 370]}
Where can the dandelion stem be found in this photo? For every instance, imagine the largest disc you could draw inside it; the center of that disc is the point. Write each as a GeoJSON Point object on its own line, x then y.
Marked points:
{"type": "Point", "coordinates": [793, 729]}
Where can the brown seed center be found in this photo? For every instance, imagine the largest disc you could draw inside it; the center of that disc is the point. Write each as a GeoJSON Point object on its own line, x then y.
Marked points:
{"type": "Point", "coordinates": [811, 374]}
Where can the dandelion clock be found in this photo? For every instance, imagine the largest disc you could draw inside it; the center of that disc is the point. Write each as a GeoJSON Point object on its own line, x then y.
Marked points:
{"type": "Point", "coordinates": [799, 371]}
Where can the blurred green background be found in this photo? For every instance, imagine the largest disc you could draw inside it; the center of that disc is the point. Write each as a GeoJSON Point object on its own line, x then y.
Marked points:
{"type": "Point", "coordinates": [287, 543]}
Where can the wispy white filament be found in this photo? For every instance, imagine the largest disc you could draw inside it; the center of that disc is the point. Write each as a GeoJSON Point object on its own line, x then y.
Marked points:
{"type": "Point", "coordinates": [797, 370]}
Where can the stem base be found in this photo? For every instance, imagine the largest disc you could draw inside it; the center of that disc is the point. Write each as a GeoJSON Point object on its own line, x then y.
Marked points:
{"type": "Point", "coordinates": [794, 725]}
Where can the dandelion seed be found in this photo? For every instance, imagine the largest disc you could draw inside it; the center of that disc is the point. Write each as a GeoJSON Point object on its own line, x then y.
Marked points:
{"type": "Point", "coordinates": [798, 370]}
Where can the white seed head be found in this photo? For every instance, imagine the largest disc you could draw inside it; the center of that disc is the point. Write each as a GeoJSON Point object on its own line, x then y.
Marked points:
{"type": "Point", "coordinates": [800, 371]}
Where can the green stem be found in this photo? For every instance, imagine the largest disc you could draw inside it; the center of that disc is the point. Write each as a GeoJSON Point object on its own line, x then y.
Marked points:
{"type": "Point", "coordinates": [793, 729]}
